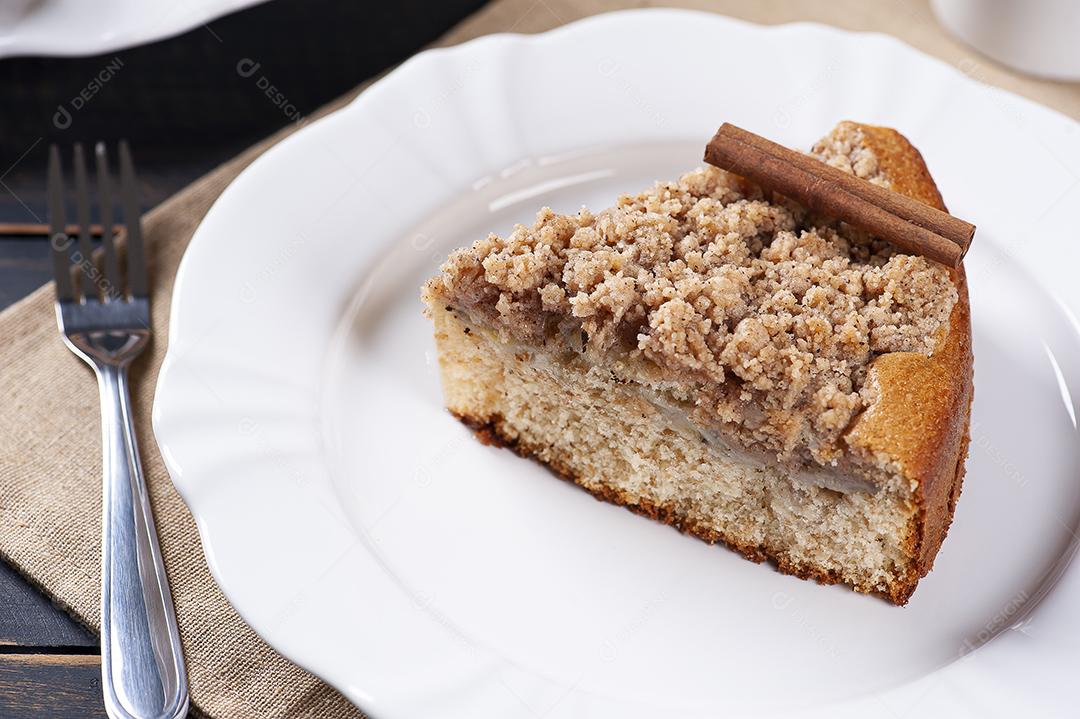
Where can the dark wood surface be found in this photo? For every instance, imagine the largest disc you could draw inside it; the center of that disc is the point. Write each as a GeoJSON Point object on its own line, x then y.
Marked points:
{"type": "Point", "coordinates": [29, 620]}
{"type": "Point", "coordinates": [53, 685]}
{"type": "Point", "coordinates": [185, 109]}
{"type": "Point", "coordinates": [49, 664]}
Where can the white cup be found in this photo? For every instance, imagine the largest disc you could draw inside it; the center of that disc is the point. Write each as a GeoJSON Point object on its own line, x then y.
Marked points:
{"type": "Point", "coordinates": [1039, 37]}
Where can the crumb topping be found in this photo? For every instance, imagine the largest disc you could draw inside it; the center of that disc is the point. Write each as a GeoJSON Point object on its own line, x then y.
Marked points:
{"type": "Point", "coordinates": [844, 149]}
{"type": "Point", "coordinates": [759, 317]}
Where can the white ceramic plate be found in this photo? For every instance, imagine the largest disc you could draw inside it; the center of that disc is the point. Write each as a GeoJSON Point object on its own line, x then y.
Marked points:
{"type": "Point", "coordinates": [368, 537]}
{"type": "Point", "coordinates": [78, 27]}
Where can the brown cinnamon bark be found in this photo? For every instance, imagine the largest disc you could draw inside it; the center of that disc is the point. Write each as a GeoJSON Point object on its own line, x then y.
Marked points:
{"type": "Point", "coordinates": [910, 225]}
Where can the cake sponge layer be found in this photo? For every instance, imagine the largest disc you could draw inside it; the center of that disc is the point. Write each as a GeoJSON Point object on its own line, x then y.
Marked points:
{"type": "Point", "coordinates": [607, 437]}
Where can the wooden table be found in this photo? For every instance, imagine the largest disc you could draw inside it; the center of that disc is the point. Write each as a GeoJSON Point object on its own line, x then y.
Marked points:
{"type": "Point", "coordinates": [49, 665]}
{"type": "Point", "coordinates": [185, 109]}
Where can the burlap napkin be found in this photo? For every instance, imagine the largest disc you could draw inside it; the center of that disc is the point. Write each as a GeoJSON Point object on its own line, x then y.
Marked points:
{"type": "Point", "coordinates": [49, 442]}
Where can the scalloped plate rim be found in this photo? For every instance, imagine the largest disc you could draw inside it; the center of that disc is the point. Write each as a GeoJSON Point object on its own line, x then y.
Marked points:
{"type": "Point", "coordinates": [190, 493]}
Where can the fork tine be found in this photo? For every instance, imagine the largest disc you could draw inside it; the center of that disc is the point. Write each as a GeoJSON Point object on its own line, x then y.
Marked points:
{"type": "Point", "coordinates": [113, 289]}
{"type": "Point", "coordinates": [82, 217]}
{"type": "Point", "coordinates": [136, 261]}
{"type": "Point", "coordinates": [58, 240]}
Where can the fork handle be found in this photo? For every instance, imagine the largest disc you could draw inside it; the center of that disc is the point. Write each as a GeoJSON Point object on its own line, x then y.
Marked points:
{"type": "Point", "coordinates": [142, 662]}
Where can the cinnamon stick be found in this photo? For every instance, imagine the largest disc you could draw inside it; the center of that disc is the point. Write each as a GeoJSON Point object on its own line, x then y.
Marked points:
{"type": "Point", "coordinates": [910, 225]}
{"type": "Point", "coordinates": [907, 208]}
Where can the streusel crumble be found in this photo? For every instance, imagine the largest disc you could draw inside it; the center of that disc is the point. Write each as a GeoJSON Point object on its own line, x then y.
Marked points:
{"type": "Point", "coordinates": [761, 317]}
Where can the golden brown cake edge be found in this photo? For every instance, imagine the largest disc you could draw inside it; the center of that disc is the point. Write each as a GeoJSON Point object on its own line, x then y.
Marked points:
{"type": "Point", "coordinates": [922, 417]}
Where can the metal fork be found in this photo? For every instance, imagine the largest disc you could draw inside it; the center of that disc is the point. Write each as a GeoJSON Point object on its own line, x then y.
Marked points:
{"type": "Point", "coordinates": [142, 663]}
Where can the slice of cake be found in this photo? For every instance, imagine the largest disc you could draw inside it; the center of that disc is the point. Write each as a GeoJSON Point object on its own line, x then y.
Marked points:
{"type": "Point", "coordinates": [719, 359]}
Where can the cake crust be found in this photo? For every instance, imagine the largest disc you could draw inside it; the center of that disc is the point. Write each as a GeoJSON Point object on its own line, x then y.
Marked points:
{"type": "Point", "coordinates": [922, 417]}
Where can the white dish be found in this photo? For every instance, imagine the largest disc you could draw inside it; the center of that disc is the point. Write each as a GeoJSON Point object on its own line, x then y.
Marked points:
{"type": "Point", "coordinates": [76, 27]}
{"type": "Point", "coordinates": [368, 537]}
